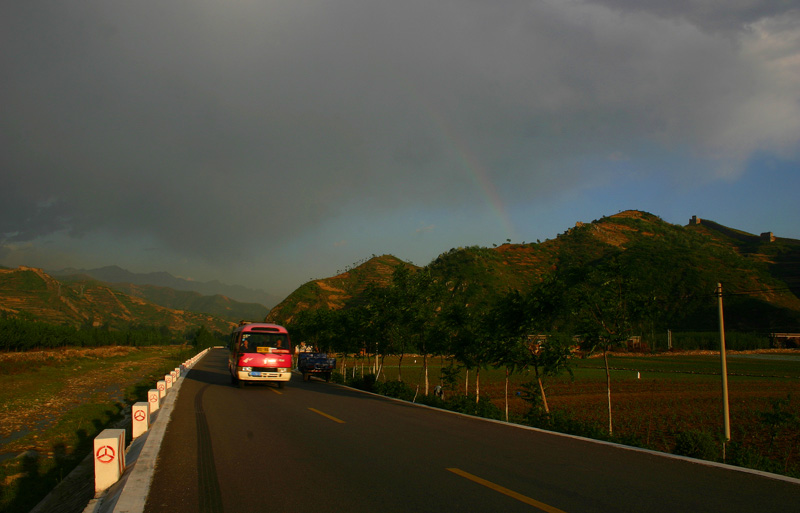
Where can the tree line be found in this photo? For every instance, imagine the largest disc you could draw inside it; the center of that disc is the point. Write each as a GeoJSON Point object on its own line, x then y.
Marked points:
{"type": "Point", "coordinates": [581, 308]}
{"type": "Point", "coordinates": [26, 334]}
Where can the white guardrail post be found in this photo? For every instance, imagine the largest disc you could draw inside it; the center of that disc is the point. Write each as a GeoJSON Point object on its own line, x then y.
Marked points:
{"type": "Point", "coordinates": [109, 458]}
{"type": "Point", "coordinates": [154, 398]}
{"type": "Point", "coordinates": [140, 419]}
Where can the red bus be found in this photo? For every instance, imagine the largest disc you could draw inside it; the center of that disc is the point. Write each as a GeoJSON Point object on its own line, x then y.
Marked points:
{"type": "Point", "coordinates": [258, 353]}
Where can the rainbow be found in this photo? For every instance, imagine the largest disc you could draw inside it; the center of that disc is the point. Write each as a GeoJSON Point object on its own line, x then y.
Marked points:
{"type": "Point", "coordinates": [476, 172]}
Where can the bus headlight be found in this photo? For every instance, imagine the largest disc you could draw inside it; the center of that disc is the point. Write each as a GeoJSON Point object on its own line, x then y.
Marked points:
{"type": "Point", "coordinates": [282, 369]}
{"type": "Point", "coordinates": [245, 369]}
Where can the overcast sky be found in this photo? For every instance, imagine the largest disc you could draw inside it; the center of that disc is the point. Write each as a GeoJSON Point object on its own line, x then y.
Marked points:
{"type": "Point", "coordinates": [265, 143]}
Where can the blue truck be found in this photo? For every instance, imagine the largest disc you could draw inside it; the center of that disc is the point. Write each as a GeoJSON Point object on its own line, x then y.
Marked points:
{"type": "Point", "coordinates": [319, 364]}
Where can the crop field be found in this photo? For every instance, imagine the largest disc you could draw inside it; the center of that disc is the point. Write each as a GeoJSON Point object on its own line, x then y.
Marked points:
{"type": "Point", "coordinates": [655, 399]}
{"type": "Point", "coordinates": [53, 404]}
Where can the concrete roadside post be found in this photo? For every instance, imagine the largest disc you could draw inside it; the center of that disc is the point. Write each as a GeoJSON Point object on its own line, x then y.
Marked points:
{"type": "Point", "coordinates": [140, 418]}
{"type": "Point", "coordinates": [154, 398]}
{"type": "Point", "coordinates": [109, 458]}
{"type": "Point", "coordinates": [168, 381]}
{"type": "Point", "coordinates": [162, 388]}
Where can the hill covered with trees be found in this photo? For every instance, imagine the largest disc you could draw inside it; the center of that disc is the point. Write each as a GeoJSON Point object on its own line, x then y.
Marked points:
{"type": "Point", "coordinates": [673, 270]}
{"type": "Point", "coordinates": [335, 293]}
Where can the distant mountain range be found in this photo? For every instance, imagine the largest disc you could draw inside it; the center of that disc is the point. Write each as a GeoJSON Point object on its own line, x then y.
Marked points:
{"type": "Point", "coordinates": [762, 271]}
{"type": "Point", "coordinates": [113, 296]}
{"type": "Point", "coordinates": [118, 275]}
{"type": "Point", "coordinates": [31, 293]}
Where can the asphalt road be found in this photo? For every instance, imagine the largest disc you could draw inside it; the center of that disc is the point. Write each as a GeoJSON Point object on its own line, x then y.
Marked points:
{"type": "Point", "coordinates": [318, 447]}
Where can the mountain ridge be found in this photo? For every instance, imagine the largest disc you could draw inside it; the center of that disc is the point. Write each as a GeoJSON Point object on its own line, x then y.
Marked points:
{"type": "Point", "coordinates": [334, 292]}
{"type": "Point", "coordinates": [116, 274]}
{"type": "Point", "coordinates": [687, 255]}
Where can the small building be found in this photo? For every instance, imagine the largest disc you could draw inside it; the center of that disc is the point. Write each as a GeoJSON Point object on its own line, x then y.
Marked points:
{"type": "Point", "coordinates": [785, 340]}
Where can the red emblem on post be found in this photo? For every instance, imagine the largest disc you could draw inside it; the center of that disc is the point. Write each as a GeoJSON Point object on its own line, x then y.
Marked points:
{"type": "Point", "coordinates": [106, 454]}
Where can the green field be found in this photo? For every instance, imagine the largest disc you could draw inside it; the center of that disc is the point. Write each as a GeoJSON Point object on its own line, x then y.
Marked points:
{"type": "Point", "coordinates": [777, 365]}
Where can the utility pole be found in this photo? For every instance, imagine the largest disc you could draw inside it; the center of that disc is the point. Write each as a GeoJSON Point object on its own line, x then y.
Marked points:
{"type": "Point", "coordinates": [725, 408]}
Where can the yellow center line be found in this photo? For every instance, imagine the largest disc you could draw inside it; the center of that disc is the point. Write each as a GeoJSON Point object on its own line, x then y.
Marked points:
{"type": "Point", "coordinates": [327, 416]}
{"type": "Point", "coordinates": [505, 491]}
{"type": "Point", "coordinates": [276, 391]}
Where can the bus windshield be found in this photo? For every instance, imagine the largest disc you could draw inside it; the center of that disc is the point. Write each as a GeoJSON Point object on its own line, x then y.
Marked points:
{"type": "Point", "coordinates": [264, 343]}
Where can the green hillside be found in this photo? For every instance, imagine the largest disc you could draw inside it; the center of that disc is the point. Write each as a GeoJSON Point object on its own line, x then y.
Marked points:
{"type": "Point", "coordinates": [781, 255]}
{"type": "Point", "coordinates": [333, 293]}
{"type": "Point", "coordinates": [676, 267]}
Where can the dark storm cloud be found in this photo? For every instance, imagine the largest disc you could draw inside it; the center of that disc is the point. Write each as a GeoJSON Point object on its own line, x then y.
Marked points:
{"type": "Point", "coordinates": [194, 123]}
{"type": "Point", "coordinates": [714, 15]}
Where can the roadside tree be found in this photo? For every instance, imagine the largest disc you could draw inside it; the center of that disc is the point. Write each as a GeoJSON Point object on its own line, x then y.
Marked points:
{"type": "Point", "coordinates": [603, 302]}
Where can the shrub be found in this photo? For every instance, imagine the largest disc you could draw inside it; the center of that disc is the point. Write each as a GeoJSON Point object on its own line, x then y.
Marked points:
{"type": "Point", "coordinates": [748, 457]}
{"type": "Point", "coordinates": [467, 404]}
{"type": "Point", "coordinates": [396, 389]}
{"type": "Point", "coordinates": [431, 400]}
{"type": "Point", "coordinates": [563, 422]}
{"type": "Point", "coordinates": [698, 444]}
{"type": "Point", "coordinates": [366, 382]}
